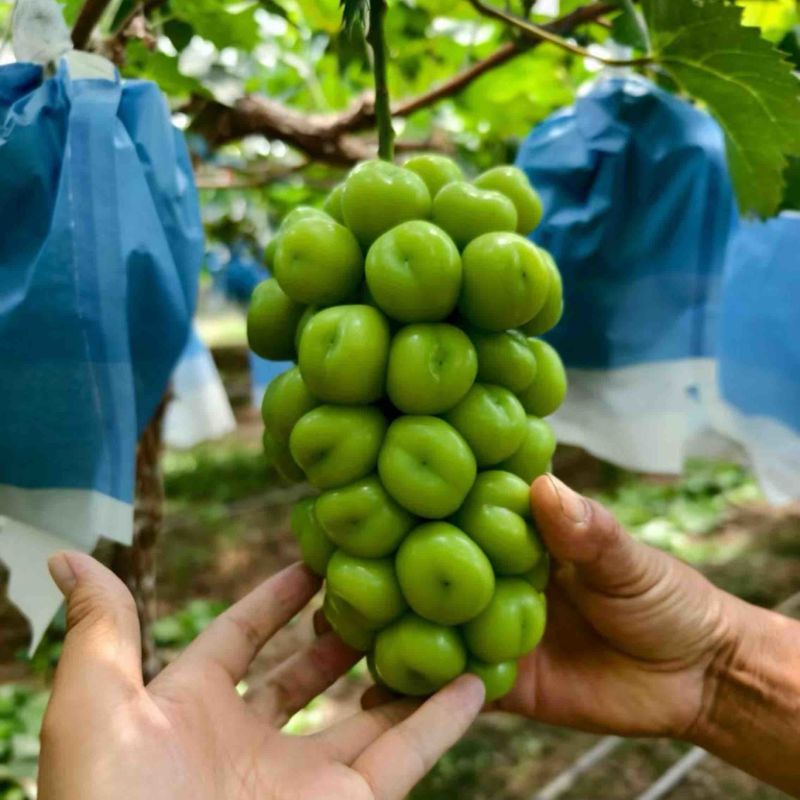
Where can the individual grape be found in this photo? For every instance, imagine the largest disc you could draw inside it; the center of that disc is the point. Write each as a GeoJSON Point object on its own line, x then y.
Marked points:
{"type": "Point", "coordinates": [414, 272]}
{"type": "Point", "coordinates": [497, 515]}
{"type": "Point", "coordinates": [435, 170]}
{"type": "Point", "coordinates": [271, 321]}
{"type": "Point", "coordinates": [318, 261]}
{"type": "Point", "coordinates": [548, 390]}
{"type": "Point", "coordinates": [301, 213]}
{"type": "Point", "coordinates": [286, 400]}
{"type": "Point", "coordinates": [505, 281]}
{"type": "Point", "coordinates": [553, 308]}
{"type": "Point", "coordinates": [269, 253]}
{"type": "Point", "coordinates": [491, 420]}
{"type": "Point", "coordinates": [431, 368]}
{"type": "Point", "coordinates": [504, 358]}
{"type": "Point", "coordinates": [315, 546]}
{"type": "Point", "coordinates": [378, 195]}
{"type": "Point", "coordinates": [465, 212]}
{"type": "Point", "coordinates": [367, 586]}
{"type": "Point", "coordinates": [333, 204]}
{"type": "Point", "coordinates": [539, 576]}
{"type": "Point", "coordinates": [301, 324]}
{"type": "Point", "coordinates": [280, 459]}
{"type": "Point", "coordinates": [362, 519]}
{"type": "Point", "coordinates": [513, 183]}
{"type": "Point", "coordinates": [444, 575]}
{"type": "Point", "coordinates": [534, 455]}
{"type": "Point", "coordinates": [335, 445]}
{"type": "Point", "coordinates": [344, 353]}
{"type": "Point", "coordinates": [498, 679]}
{"type": "Point", "coordinates": [347, 624]}
{"type": "Point", "coordinates": [510, 626]}
{"type": "Point", "coordinates": [417, 657]}
{"type": "Point", "coordinates": [426, 465]}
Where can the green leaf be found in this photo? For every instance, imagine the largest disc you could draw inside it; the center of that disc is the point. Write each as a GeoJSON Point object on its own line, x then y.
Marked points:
{"type": "Point", "coordinates": [627, 27]}
{"type": "Point", "coordinates": [745, 83]}
{"type": "Point", "coordinates": [162, 69]}
{"type": "Point", "coordinates": [180, 33]}
{"type": "Point", "coordinates": [221, 23]}
{"type": "Point", "coordinates": [274, 7]}
{"type": "Point", "coordinates": [122, 12]}
{"type": "Point", "coordinates": [71, 9]}
{"type": "Point", "coordinates": [773, 17]}
{"type": "Point", "coordinates": [791, 197]}
{"type": "Point", "coordinates": [790, 44]}
{"type": "Point", "coordinates": [355, 14]}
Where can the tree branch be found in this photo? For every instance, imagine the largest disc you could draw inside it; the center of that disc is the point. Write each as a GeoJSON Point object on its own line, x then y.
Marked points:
{"type": "Point", "coordinates": [128, 28]}
{"type": "Point", "coordinates": [87, 20]}
{"type": "Point", "coordinates": [330, 137]}
{"type": "Point", "coordinates": [141, 9]}
{"type": "Point", "coordinates": [539, 32]}
{"type": "Point", "coordinates": [458, 82]}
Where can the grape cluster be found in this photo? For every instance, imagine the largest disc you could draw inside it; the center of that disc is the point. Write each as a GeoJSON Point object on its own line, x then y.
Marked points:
{"type": "Point", "coordinates": [411, 304]}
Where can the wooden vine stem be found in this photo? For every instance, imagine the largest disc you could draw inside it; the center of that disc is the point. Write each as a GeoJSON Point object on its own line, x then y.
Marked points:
{"type": "Point", "coordinates": [136, 565]}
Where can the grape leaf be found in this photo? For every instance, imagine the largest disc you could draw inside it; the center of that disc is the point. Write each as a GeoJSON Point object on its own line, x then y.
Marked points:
{"type": "Point", "coordinates": [71, 9]}
{"type": "Point", "coordinates": [790, 44]}
{"type": "Point", "coordinates": [743, 80]}
{"type": "Point", "coordinates": [791, 197]}
{"type": "Point", "coordinates": [122, 12]}
{"type": "Point", "coordinates": [627, 27]}
{"type": "Point", "coordinates": [273, 7]}
{"type": "Point", "coordinates": [161, 68]}
{"type": "Point", "coordinates": [354, 14]}
{"type": "Point", "coordinates": [223, 24]}
{"type": "Point", "coordinates": [180, 33]}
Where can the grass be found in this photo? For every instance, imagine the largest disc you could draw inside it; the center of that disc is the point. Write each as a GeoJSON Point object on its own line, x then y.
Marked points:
{"type": "Point", "coordinates": [678, 516]}
{"type": "Point", "coordinates": [210, 475]}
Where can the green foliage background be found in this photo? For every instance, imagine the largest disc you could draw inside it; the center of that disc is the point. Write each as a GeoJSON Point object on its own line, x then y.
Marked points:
{"type": "Point", "coordinates": [295, 52]}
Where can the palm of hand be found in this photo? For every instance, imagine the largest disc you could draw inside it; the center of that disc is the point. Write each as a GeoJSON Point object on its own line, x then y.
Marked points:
{"type": "Point", "coordinates": [188, 735]}
{"type": "Point", "coordinates": [631, 632]}
{"type": "Point", "coordinates": [203, 734]}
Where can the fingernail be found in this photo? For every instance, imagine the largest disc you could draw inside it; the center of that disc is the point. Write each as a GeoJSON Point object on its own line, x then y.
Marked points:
{"type": "Point", "coordinates": [573, 506]}
{"type": "Point", "coordinates": [62, 573]}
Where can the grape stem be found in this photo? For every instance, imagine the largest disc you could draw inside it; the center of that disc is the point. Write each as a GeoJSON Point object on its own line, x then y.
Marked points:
{"type": "Point", "coordinates": [383, 110]}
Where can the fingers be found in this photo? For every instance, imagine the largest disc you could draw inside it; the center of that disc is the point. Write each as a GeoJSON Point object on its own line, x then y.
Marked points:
{"type": "Point", "coordinates": [102, 648]}
{"type": "Point", "coordinates": [402, 756]}
{"type": "Point", "coordinates": [320, 622]}
{"type": "Point", "coordinates": [376, 696]}
{"type": "Point", "coordinates": [298, 680]}
{"type": "Point", "coordinates": [346, 740]}
{"type": "Point", "coordinates": [583, 533]}
{"type": "Point", "coordinates": [233, 640]}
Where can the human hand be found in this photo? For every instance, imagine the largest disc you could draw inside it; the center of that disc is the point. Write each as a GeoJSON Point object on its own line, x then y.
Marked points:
{"type": "Point", "coordinates": [188, 735]}
{"type": "Point", "coordinates": [631, 635]}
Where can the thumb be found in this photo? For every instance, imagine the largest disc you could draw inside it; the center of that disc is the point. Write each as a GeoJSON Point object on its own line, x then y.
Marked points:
{"type": "Point", "coordinates": [102, 648]}
{"type": "Point", "coordinates": [581, 532]}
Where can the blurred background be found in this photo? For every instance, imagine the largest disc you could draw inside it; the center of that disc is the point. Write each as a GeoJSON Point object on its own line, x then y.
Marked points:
{"type": "Point", "coordinates": [225, 524]}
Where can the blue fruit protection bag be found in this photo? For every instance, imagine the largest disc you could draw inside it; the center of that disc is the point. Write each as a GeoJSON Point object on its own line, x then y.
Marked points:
{"type": "Point", "coordinates": [667, 315]}
{"type": "Point", "coordinates": [100, 247]}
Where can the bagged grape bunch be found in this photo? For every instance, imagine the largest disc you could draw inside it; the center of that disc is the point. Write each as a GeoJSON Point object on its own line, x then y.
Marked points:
{"type": "Point", "coordinates": [411, 305]}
